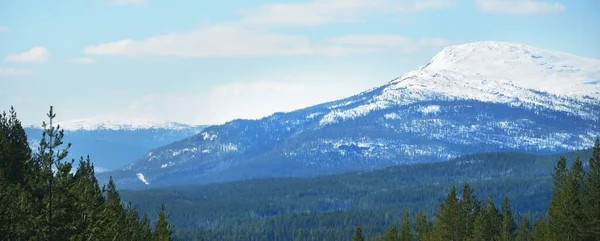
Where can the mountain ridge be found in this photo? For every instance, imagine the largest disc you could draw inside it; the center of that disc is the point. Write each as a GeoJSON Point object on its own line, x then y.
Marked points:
{"type": "Point", "coordinates": [117, 123]}
{"type": "Point", "coordinates": [427, 115]}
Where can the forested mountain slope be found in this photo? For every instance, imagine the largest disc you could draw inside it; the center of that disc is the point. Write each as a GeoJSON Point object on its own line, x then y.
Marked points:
{"type": "Point", "coordinates": [330, 206]}
{"type": "Point", "coordinates": [476, 97]}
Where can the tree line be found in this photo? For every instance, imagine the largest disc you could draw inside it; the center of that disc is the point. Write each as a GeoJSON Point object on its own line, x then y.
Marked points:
{"type": "Point", "coordinates": [574, 212]}
{"type": "Point", "coordinates": [42, 196]}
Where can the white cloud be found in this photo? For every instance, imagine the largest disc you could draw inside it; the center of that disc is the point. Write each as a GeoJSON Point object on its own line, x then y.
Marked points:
{"type": "Point", "coordinates": [34, 55]}
{"type": "Point", "coordinates": [218, 40]}
{"type": "Point", "coordinates": [6, 73]}
{"type": "Point", "coordinates": [333, 11]}
{"type": "Point", "coordinates": [518, 7]}
{"type": "Point", "coordinates": [388, 42]}
{"type": "Point", "coordinates": [252, 99]}
{"type": "Point", "coordinates": [3, 28]}
{"type": "Point", "coordinates": [127, 2]}
{"type": "Point", "coordinates": [228, 41]}
{"type": "Point", "coordinates": [83, 60]}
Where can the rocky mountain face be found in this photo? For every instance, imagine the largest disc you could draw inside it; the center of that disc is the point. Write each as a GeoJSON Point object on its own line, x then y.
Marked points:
{"type": "Point", "coordinates": [113, 143]}
{"type": "Point", "coordinates": [476, 97]}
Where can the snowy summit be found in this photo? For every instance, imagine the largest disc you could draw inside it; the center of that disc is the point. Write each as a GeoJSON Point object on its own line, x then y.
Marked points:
{"type": "Point", "coordinates": [523, 66]}
{"type": "Point", "coordinates": [497, 72]}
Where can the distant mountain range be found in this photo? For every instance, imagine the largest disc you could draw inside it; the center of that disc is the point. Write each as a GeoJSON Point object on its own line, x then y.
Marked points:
{"type": "Point", "coordinates": [476, 97]}
{"type": "Point", "coordinates": [113, 143]}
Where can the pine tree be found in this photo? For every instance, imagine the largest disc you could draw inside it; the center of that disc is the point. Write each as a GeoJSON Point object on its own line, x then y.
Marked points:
{"type": "Point", "coordinates": [469, 210]}
{"type": "Point", "coordinates": [405, 233]}
{"type": "Point", "coordinates": [50, 156]}
{"type": "Point", "coordinates": [556, 212]}
{"type": "Point", "coordinates": [524, 230]}
{"type": "Point", "coordinates": [162, 230]}
{"type": "Point", "coordinates": [113, 214]}
{"type": "Point", "coordinates": [358, 236]}
{"type": "Point", "coordinates": [565, 216]}
{"type": "Point", "coordinates": [16, 151]}
{"type": "Point", "coordinates": [422, 227]}
{"type": "Point", "coordinates": [540, 231]}
{"type": "Point", "coordinates": [509, 226]}
{"type": "Point", "coordinates": [488, 222]}
{"type": "Point", "coordinates": [89, 200]}
{"type": "Point", "coordinates": [132, 225]}
{"type": "Point", "coordinates": [391, 234]}
{"type": "Point", "coordinates": [15, 167]}
{"type": "Point", "coordinates": [146, 230]}
{"type": "Point", "coordinates": [448, 218]}
{"type": "Point", "coordinates": [591, 197]}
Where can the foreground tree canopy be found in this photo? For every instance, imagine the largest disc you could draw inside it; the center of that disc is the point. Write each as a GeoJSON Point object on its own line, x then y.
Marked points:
{"type": "Point", "coordinates": [574, 212]}
{"type": "Point", "coordinates": [44, 198]}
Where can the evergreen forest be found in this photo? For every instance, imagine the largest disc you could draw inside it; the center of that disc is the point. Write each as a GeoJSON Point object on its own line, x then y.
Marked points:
{"type": "Point", "coordinates": [43, 197]}
{"type": "Point", "coordinates": [485, 196]}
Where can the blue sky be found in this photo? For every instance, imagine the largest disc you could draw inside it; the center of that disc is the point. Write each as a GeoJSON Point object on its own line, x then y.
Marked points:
{"type": "Point", "coordinates": [208, 62]}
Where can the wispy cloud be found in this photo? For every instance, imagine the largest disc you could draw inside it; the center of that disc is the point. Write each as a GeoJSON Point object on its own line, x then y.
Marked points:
{"type": "Point", "coordinates": [236, 41]}
{"type": "Point", "coordinates": [34, 55]}
{"type": "Point", "coordinates": [257, 87]}
{"type": "Point", "coordinates": [333, 11]}
{"type": "Point", "coordinates": [6, 73]}
{"type": "Point", "coordinates": [375, 43]}
{"type": "Point", "coordinates": [4, 28]}
{"type": "Point", "coordinates": [218, 40]}
{"type": "Point", "coordinates": [518, 7]}
{"type": "Point", "coordinates": [127, 2]}
{"type": "Point", "coordinates": [83, 60]}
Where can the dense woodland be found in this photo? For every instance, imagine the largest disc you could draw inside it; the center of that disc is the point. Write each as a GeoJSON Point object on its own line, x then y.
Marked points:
{"type": "Point", "coordinates": [509, 196]}
{"type": "Point", "coordinates": [43, 197]}
{"type": "Point", "coordinates": [574, 212]}
{"type": "Point", "coordinates": [328, 207]}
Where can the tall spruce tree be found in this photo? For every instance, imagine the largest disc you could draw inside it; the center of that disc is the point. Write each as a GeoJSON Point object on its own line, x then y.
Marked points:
{"type": "Point", "coordinates": [162, 230]}
{"type": "Point", "coordinates": [557, 213]}
{"type": "Point", "coordinates": [469, 211]}
{"type": "Point", "coordinates": [448, 222]}
{"type": "Point", "coordinates": [358, 235]}
{"type": "Point", "coordinates": [540, 231]}
{"type": "Point", "coordinates": [405, 232]}
{"type": "Point", "coordinates": [391, 234]}
{"type": "Point", "coordinates": [565, 216]}
{"type": "Point", "coordinates": [50, 157]}
{"type": "Point", "coordinates": [524, 230]}
{"type": "Point", "coordinates": [488, 222]}
{"type": "Point", "coordinates": [509, 227]}
{"type": "Point", "coordinates": [422, 227]}
{"type": "Point", "coordinates": [146, 229]}
{"type": "Point", "coordinates": [591, 196]}
{"type": "Point", "coordinates": [113, 212]}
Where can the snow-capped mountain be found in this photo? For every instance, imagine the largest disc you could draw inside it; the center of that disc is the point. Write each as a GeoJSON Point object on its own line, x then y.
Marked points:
{"type": "Point", "coordinates": [483, 96]}
{"type": "Point", "coordinates": [114, 142]}
{"type": "Point", "coordinates": [117, 123]}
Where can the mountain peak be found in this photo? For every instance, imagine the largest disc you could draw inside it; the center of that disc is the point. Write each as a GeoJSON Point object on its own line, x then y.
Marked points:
{"type": "Point", "coordinates": [521, 65]}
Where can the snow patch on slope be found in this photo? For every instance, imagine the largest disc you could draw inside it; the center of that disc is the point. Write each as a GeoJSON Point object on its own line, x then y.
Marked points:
{"type": "Point", "coordinates": [432, 109]}
{"type": "Point", "coordinates": [207, 136]}
{"type": "Point", "coordinates": [142, 178]}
